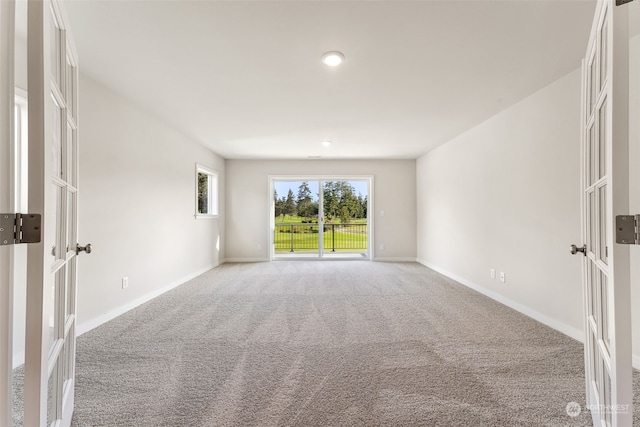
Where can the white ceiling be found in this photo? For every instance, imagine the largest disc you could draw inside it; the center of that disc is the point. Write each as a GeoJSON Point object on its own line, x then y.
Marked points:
{"type": "Point", "coordinates": [245, 78]}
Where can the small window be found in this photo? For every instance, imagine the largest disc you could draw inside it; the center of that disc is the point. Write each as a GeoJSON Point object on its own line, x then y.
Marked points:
{"type": "Point", "coordinates": [206, 192]}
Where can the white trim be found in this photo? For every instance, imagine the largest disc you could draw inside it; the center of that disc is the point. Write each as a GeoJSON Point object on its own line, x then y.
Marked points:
{"type": "Point", "coordinates": [87, 326]}
{"type": "Point", "coordinates": [238, 260]}
{"type": "Point", "coordinates": [568, 330]}
{"type": "Point", "coordinates": [69, 402]}
{"type": "Point", "coordinates": [395, 259]}
{"type": "Point", "coordinates": [202, 216]}
{"type": "Point", "coordinates": [39, 17]}
{"type": "Point", "coordinates": [311, 258]}
{"type": "Point", "coordinates": [214, 193]}
{"type": "Point", "coordinates": [7, 96]}
{"type": "Point", "coordinates": [617, 147]}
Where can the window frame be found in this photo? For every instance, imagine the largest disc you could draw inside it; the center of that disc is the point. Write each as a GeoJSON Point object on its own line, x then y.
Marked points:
{"type": "Point", "coordinates": [213, 202]}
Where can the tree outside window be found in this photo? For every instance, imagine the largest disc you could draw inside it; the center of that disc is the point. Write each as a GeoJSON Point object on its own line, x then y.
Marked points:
{"type": "Point", "coordinates": [206, 192]}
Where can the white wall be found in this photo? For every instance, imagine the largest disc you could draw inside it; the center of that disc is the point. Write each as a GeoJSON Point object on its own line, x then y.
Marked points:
{"type": "Point", "coordinates": [506, 195]}
{"type": "Point", "coordinates": [137, 206]}
{"type": "Point", "coordinates": [249, 198]}
{"type": "Point", "coordinates": [469, 209]}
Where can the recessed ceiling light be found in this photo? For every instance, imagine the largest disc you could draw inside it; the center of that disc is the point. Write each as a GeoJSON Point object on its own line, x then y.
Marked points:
{"type": "Point", "coordinates": [326, 143]}
{"type": "Point", "coordinates": [333, 58]}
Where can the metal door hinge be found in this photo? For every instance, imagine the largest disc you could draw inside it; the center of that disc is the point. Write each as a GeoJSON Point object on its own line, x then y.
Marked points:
{"type": "Point", "coordinates": [19, 228]}
{"type": "Point", "coordinates": [628, 229]}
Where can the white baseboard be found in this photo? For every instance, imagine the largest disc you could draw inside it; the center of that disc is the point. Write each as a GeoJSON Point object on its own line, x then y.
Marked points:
{"type": "Point", "coordinates": [570, 331]}
{"type": "Point", "coordinates": [230, 260]}
{"type": "Point", "coordinates": [378, 259]}
{"type": "Point", "coordinates": [85, 327]}
{"type": "Point", "coordinates": [394, 259]}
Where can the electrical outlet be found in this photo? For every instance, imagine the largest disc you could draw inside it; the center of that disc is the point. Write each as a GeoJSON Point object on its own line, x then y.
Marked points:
{"type": "Point", "coordinates": [125, 282]}
{"type": "Point", "coordinates": [492, 273]}
{"type": "Point", "coordinates": [382, 246]}
{"type": "Point", "coordinates": [259, 247]}
{"type": "Point", "coordinates": [503, 277]}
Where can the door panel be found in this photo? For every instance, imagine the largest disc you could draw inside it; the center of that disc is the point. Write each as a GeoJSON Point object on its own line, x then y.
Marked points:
{"type": "Point", "coordinates": [605, 191]}
{"type": "Point", "coordinates": [53, 192]}
{"type": "Point", "coordinates": [296, 218]}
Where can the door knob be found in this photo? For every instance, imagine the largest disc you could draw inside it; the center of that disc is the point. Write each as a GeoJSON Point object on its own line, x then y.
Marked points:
{"type": "Point", "coordinates": [86, 249]}
{"type": "Point", "coordinates": [575, 250]}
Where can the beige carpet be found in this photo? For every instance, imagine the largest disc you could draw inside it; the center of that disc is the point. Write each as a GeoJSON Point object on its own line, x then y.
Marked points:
{"type": "Point", "coordinates": [344, 343]}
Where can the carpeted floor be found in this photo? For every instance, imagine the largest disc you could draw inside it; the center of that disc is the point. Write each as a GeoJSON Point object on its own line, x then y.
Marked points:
{"type": "Point", "coordinates": [344, 343]}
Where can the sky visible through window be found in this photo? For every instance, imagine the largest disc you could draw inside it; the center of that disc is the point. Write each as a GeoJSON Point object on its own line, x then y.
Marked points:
{"type": "Point", "coordinates": [282, 187]}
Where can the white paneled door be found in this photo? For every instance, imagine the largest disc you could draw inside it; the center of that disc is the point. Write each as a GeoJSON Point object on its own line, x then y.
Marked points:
{"type": "Point", "coordinates": [605, 194]}
{"type": "Point", "coordinates": [53, 192]}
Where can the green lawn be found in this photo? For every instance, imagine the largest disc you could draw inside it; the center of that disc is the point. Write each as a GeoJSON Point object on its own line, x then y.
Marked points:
{"type": "Point", "coordinates": [304, 238]}
{"type": "Point", "coordinates": [297, 219]}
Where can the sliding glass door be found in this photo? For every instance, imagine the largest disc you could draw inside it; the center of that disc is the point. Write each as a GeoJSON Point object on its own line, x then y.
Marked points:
{"type": "Point", "coordinates": [345, 210]}
{"type": "Point", "coordinates": [320, 218]}
{"type": "Point", "coordinates": [296, 213]}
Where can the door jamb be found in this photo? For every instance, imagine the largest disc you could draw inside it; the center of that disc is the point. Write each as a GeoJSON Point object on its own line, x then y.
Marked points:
{"type": "Point", "coordinates": [7, 93]}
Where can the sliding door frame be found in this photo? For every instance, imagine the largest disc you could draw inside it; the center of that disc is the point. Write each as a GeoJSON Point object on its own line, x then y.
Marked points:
{"type": "Point", "coordinates": [322, 179]}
